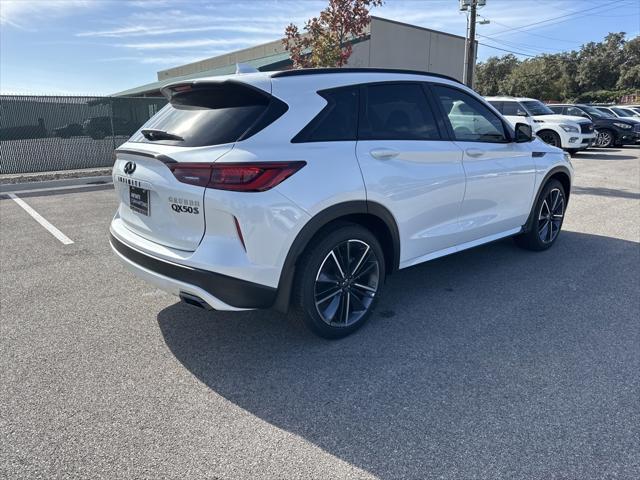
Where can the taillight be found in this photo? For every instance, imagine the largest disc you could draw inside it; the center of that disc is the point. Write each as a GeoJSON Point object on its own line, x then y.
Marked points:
{"type": "Point", "coordinates": [241, 177]}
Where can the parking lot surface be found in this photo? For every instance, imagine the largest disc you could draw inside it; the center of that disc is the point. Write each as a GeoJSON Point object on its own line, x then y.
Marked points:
{"type": "Point", "coordinates": [492, 363]}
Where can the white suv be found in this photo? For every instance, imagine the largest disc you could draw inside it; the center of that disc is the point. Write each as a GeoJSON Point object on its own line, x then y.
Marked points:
{"type": "Point", "coordinates": [564, 131]}
{"type": "Point", "coordinates": [308, 187]}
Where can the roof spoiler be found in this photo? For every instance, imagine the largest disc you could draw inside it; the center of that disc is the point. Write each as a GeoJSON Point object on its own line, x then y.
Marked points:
{"type": "Point", "coordinates": [245, 68]}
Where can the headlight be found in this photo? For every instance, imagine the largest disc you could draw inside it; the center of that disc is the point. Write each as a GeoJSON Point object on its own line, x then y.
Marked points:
{"type": "Point", "coordinates": [622, 125]}
{"type": "Point", "coordinates": [569, 128]}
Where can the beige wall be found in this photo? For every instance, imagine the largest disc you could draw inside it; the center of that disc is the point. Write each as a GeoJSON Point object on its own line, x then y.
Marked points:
{"type": "Point", "coordinates": [396, 45]}
{"type": "Point", "coordinates": [391, 45]}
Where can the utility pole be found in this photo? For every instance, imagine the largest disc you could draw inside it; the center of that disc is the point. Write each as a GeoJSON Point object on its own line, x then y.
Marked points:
{"type": "Point", "coordinates": [471, 7]}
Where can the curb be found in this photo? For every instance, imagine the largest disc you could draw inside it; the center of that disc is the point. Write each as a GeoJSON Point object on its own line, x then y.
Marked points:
{"type": "Point", "coordinates": [11, 178]}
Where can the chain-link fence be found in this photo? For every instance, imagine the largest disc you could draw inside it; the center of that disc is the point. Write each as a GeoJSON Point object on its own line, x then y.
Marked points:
{"type": "Point", "coordinates": [44, 133]}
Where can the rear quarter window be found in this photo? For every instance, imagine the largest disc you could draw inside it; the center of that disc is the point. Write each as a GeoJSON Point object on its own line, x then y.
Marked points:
{"type": "Point", "coordinates": [337, 121]}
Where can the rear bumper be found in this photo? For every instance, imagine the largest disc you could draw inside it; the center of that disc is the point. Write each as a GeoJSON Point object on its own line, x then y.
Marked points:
{"type": "Point", "coordinates": [220, 292]}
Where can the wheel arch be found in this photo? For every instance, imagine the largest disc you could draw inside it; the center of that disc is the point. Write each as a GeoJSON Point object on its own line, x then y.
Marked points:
{"type": "Point", "coordinates": [550, 130]}
{"type": "Point", "coordinates": [559, 173]}
{"type": "Point", "coordinates": [373, 216]}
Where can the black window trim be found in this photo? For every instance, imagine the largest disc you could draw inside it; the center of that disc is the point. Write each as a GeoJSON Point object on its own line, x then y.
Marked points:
{"type": "Point", "coordinates": [509, 133]}
{"type": "Point", "coordinates": [441, 123]}
{"type": "Point", "coordinates": [303, 135]}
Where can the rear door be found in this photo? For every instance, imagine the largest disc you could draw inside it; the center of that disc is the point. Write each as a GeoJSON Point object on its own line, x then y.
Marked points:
{"type": "Point", "coordinates": [410, 166]}
{"type": "Point", "coordinates": [160, 173]}
{"type": "Point", "coordinates": [500, 174]}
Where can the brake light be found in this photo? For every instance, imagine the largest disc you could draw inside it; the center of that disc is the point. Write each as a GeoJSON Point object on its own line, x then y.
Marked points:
{"type": "Point", "coordinates": [240, 177]}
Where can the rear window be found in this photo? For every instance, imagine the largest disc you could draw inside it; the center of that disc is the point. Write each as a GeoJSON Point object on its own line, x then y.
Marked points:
{"type": "Point", "coordinates": [210, 115]}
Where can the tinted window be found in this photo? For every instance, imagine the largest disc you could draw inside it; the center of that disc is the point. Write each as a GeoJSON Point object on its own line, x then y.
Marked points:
{"type": "Point", "coordinates": [397, 112]}
{"type": "Point", "coordinates": [575, 112]}
{"type": "Point", "coordinates": [470, 119]}
{"type": "Point", "coordinates": [512, 108]}
{"type": "Point", "coordinates": [536, 107]}
{"type": "Point", "coordinates": [498, 106]}
{"type": "Point", "coordinates": [209, 115]}
{"type": "Point", "coordinates": [556, 109]}
{"type": "Point", "coordinates": [623, 112]}
{"type": "Point", "coordinates": [337, 121]}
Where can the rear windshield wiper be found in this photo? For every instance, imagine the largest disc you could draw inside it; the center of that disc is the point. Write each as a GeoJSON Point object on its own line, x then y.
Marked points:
{"type": "Point", "coordinates": [152, 134]}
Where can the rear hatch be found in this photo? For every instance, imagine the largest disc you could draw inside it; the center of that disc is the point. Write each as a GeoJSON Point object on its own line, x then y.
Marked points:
{"type": "Point", "coordinates": [201, 123]}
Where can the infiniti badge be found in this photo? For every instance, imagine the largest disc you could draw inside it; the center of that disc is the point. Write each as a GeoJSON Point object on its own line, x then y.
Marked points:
{"type": "Point", "coordinates": [129, 168]}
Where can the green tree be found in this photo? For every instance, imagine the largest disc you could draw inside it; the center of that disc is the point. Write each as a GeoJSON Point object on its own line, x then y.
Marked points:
{"type": "Point", "coordinates": [599, 63]}
{"type": "Point", "coordinates": [630, 67]}
{"type": "Point", "coordinates": [491, 74]}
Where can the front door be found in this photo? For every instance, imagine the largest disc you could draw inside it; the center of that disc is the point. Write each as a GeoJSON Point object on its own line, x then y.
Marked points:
{"type": "Point", "coordinates": [500, 174]}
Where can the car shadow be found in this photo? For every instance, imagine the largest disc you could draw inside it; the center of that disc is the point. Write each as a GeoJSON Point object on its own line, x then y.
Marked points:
{"type": "Point", "coordinates": [601, 154]}
{"type": "Point", "coordinates": [489, 357]}
{"type": "Point", "coordinates": [604, 192]}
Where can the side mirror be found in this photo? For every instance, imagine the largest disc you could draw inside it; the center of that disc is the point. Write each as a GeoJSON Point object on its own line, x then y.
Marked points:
{"type": "Point", "coordinates": [522, 113]}
{"type": "Point", "coordinates": [524, 133]}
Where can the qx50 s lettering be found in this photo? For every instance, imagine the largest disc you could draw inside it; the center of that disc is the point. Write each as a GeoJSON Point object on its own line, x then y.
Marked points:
{"type": "Point", "coordinates": [302, 190]}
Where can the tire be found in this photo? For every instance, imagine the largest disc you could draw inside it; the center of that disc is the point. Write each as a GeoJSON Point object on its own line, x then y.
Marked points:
{"type": "Point", "coordinates": [606, 138]}
{"type": "Point", "coordinates": [550, 137]}
{"type": "Point", "coordinates": [350, 261]}
{"type": "Point", "coordinates": [543, 228]}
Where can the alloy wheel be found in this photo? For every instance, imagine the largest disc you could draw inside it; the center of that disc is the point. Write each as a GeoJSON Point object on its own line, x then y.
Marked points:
{"type": "Point", "coordinates": [550, 216]}
{"type": "Point", "coordinates": [346, 283]}
{"type": "Point", "coordinates": [604, 139]}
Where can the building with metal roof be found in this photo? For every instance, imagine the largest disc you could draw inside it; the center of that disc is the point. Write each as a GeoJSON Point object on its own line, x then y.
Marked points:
{"type": "Point", "coordinates": [386, 44]}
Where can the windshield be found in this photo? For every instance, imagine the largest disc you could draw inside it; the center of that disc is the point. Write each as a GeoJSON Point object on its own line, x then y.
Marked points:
{"type": "Point", "coordinates": [536, 107]}
{"type": "Point", "coordinates": [623, 112]}
{"type": "Point", "coordinates": [594, 112]}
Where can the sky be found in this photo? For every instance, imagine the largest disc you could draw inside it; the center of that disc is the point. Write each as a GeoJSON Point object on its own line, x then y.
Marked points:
{"type": "Point", "coordinates": [99, 47]}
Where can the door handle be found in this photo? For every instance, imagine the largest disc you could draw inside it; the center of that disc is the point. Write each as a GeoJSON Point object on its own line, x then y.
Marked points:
{"type": "Point", "coordinates": [474, 152]}
{"type": "Point", "coordinates": [383, 153]}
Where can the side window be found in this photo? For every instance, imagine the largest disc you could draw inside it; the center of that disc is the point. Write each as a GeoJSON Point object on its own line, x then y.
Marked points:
{"type": "Point", "coordinates": [397, 112]}
{"type": "Point", "coordinates": [512, 108]}
{"type": "Point", "coordinates": [575, 111]}
{"type": "Point", "coordinates": [556, 109]}
{"type": "Point", "coordinates": [337, 121]}
{"type": "Point", "coordinates": [498, 106]}
{"type": "Point", "coordinates": [470, 120]}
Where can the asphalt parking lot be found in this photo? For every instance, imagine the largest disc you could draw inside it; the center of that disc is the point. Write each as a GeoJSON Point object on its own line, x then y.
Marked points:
{"type": "Point", "coordinates": [492, 363]}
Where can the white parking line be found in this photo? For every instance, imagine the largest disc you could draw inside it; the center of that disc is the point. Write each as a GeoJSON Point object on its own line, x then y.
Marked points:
{"type": "Point", "coordinates": [41, 220]}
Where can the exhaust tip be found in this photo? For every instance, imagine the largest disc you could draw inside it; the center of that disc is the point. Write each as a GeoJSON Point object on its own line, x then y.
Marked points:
{"type": "Point", "coordinates": [194, 300]}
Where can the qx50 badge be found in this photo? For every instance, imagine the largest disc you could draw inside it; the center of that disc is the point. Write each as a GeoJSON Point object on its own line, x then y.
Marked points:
{"type": "Point", "coordinates": [129, 168]}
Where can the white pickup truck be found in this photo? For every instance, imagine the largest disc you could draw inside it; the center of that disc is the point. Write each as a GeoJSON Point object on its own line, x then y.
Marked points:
{"type": "Point", "coordinates": [564, 131]}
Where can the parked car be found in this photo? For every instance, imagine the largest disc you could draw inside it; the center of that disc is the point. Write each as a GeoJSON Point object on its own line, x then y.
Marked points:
{"type": "Point", "coordinates": [612, 131]}
{"type": "Point", "coordinates": [635, 108]}
{"type": "Point", "coordinates": [100, 127]}
{"type": "Point", "coordinates": [570, 133]}
{"type": "Point", "coordinates": [69, 130]}
{"type": "Point", "coordinates": [624, 113]}
{"type": "Point", "coordinates": [309, 187]}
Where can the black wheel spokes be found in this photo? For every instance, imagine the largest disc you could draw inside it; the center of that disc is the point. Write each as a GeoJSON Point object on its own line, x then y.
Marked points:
{"type": "Point", "coordinates": [550, 216]}
{"type": "Point", "coordinates": [346, 283]}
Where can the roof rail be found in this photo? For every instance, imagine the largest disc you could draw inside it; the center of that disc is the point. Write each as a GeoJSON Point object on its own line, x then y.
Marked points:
{"type": "Point", "coordinates": [318, 71]}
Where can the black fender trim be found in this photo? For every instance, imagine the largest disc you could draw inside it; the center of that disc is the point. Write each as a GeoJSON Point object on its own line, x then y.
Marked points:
{"type": "Point", "coordinates": [232, 291]}
{"type": "Point", "coordinates": [559, 169]}
{"type": "Point", "coordinates": [319, 221]}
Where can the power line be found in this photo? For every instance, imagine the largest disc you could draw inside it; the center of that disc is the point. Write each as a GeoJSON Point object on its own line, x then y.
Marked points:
{"type": "Point", "coordinates": [520, 45]}
{"type": "Point", "coordinates": [504, 50]}
{"type": "Point", "coordinates": [579, 13]}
